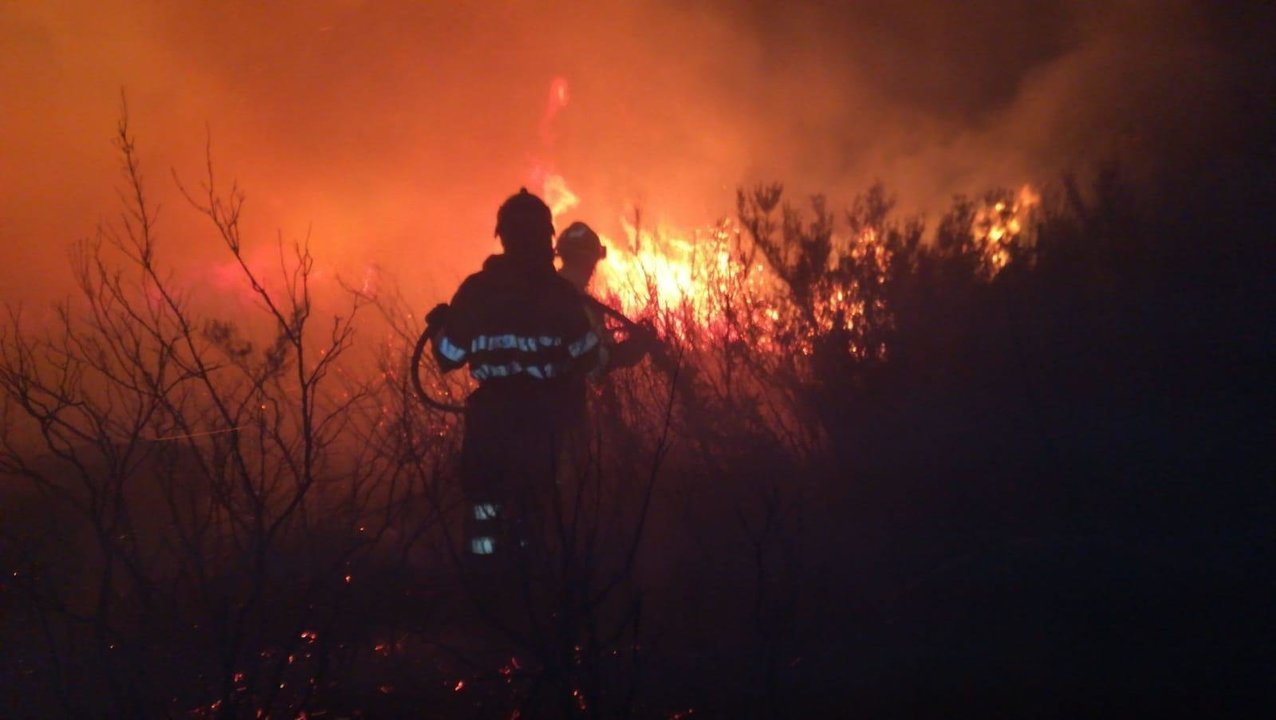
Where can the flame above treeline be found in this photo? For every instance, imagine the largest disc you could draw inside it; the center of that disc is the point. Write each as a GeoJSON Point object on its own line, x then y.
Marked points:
{"type": "Point", "coordinates": [685, 277]}
{"type": "Point", "coordinates": [688, 276]}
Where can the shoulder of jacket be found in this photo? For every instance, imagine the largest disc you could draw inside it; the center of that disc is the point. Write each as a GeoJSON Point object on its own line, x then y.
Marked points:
{"type": "Point", "coordinates": [564, 286]}
{"type": "Point", "coordinates": [474, 282]}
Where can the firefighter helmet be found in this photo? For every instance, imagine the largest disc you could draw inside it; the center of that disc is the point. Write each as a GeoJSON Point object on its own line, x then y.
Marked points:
{"type": "Point", "coordinates": [579, 241]}
{"type": "Point", "coordinates": [524, 223]}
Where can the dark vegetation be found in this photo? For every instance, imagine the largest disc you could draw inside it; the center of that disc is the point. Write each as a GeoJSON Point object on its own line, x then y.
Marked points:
{"type": "Point", "coordinates": [1043, 491]}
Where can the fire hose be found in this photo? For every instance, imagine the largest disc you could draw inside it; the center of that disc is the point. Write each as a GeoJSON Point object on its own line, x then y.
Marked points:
{"type": "Point", "coordinates": [414, 368]}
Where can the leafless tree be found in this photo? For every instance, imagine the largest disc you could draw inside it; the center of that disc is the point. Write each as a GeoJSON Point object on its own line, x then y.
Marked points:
{"type": "Point", "coordinates": [227, 482]}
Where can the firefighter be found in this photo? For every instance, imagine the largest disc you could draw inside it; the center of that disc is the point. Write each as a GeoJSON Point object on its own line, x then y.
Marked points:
{"type": "Point", "coordinates": [580, 250]}
{"type": "Point", "coordinates": [521, 330]}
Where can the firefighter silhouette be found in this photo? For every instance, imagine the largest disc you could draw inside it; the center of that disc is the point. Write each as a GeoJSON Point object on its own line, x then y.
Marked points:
{"type": "Point", "coordinates": [580, 250]}
{"type": "Point", "coordinates": [521, 329]}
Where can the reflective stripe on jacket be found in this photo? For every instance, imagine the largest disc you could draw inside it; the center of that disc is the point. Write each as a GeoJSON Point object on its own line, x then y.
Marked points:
{"type": "Point", "coordinates": [511, 319]}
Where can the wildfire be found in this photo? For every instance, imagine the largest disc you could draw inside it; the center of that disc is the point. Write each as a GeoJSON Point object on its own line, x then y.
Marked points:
{"type": "Point", "coordinates": [681, 276]}
{"type": "Point", "coordinates": [705, 281]}
{"type": "Point", "coordinates": [688, 273]}
{"type": "Point", "coordinates": [998, 229]}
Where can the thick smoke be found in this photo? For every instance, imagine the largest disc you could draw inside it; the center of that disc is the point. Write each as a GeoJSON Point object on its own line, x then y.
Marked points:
{"type": "Point", "coordinates": [390, 131]}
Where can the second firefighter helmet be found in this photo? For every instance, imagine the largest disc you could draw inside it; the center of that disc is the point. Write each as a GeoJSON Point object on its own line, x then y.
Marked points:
{"type": "Point", "coordinates": [579, 243]}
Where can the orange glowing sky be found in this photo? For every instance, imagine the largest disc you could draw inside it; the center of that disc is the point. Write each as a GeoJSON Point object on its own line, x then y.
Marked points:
{"type": "Point", "coordinates": [390, 131]}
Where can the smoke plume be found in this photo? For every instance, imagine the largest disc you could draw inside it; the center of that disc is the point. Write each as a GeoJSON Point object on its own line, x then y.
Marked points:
{"type": "Point", "coordinates": [389, 131]}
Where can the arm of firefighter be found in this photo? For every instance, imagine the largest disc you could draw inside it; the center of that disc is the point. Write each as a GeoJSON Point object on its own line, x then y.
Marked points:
{"type": "Point", "coordinates": [628, 353]}
{"type": "Point", "coordinates": [585, 350]}
{"type": "Point", "coordinates": [642, 340]}
{"type": "Point", "coordinates": [449, 351]}
{"type": "Point", "coordinates": [602, 363]}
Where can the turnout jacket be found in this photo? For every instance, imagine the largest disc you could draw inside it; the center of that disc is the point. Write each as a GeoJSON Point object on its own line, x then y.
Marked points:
{"type": "Point", "coordinates": [515, 320]}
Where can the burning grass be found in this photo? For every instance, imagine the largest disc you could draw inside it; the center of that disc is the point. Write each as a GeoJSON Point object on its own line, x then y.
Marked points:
{"type": "Point", "coordinates": [784, 281]}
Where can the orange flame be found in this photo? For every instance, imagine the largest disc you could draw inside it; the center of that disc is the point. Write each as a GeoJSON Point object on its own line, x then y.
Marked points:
{"type": "Point", "coordinates": [998, 229]}
{"type": "Point", "coordinates": [558, 98]}
{"type": "Point", "coordinates": [703, 277]}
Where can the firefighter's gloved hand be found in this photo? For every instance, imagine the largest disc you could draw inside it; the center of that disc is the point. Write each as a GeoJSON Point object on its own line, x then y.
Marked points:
{"type": "Point", "coordinates": [644, 334]}
{"type": "Point", "coordinates": [641, 341]}
{"type": "Point", "coordinates": [436, 318]}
